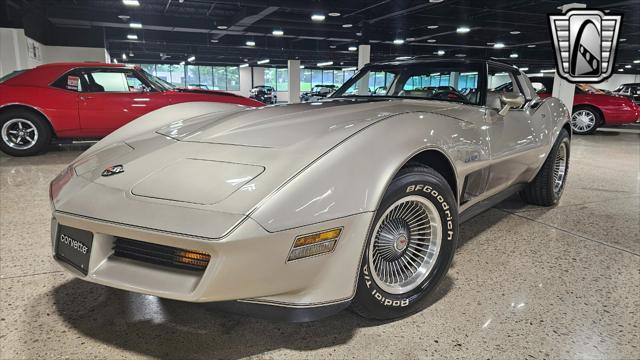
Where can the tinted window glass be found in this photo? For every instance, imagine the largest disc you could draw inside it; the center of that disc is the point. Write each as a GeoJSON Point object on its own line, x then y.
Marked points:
{"type": "Point", "coordinates": [107, 82]}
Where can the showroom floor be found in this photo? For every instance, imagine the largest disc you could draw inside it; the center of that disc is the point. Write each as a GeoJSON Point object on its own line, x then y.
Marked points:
{"type": "Point", "coordinates": [526, 282]}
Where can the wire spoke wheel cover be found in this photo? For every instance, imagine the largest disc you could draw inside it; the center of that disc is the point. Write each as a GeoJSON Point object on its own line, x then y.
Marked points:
{"type": "Point", "coordinates": [405, 245]}
{"type": "Point", "coordinates": [20, 134]}
{"type": "Point", "coordinates": [560, 168]}
{"type": "Point", "coordinates": [583, 120]}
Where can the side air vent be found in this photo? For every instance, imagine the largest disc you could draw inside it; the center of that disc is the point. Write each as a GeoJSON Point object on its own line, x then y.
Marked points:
{"type": "Point", "coordinates": [161, 255]}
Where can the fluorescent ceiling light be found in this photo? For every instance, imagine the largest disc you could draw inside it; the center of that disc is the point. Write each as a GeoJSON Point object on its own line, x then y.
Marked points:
{"type": "Point", "coordinates": [250, 43]}
{"type": "Point", "coordinates": [326, 63]}
{"type": "Point", "coordinates": [403, 58]}
{"type": "Point", "coordinates": [435, 1]}
{"type": "Point", "coordinates": [498, 45]}
{"type": "Point", "coordinates": [124, 56]}
{"type": "Point", "coordinates": [135, 25]}
{"type": "Point", "coordinates": [214, 40]}
{"type": "Point", "coordinates": [548, 70]}
{"type": "Point", "coordinates": [244, 65]}
{"type": "Point", "coordinates": [513, 56]}
{"type": "Point", "coordinates": [132, 37]}
{"type": "Point", "coordinates": [531, 45]}
{"type": "Point", "coordinates": [181, 63]}
{"type": "Point", "coordinates": [462, 30]}
{"type": "Point", "coordinates": [628, 66]}
{"type": "Point", "coordinates": [347, 25]}
{"type": "Point", "coordinates": [301, 66]}
{"type": "Point", "coordinates": [353, 68]}
{"type": "Point", "coordinates": [410, 39]}
{"type": "Point", "coordinates": [440, 52]}
{"type": "Point", "coordinates": [265, 61]}
{"type": "Point", "coordinates": [431, 40]}
{"type": "Point", "coordinates": [398, 41]}
{"type": "Point", "coordinates": [636, 61]}
{"type": "Point", "coordinates": [620, 69]}
{"type": "Point", "coordinates": [131, 2]}
{"type": "Point", "coordinates": [433, 27]}
{"type": "Point", "coordinates": [191, 58]}
{"type": "Point", "coordinates": [334, 14]}
{"type": "Point", "coordinates": [623, 39]}
{"type": "Point", "coordinates": [277, 32]}
{"type": "Point", "coordinates": [317, 17]}
{"type": "Point", "coordinates": [535, 74]}
{"type": "Point", "coordinates": [515, 32]}
{"type": "Point", "coordinates": [332, 46]}
{"type": "Point", "coordinates": [352, 48]}
{"type": "Point", "coordinates": [222, 27]}
{"type": "Point", "coordinates": [523, 68]}
{"type": "Point", "coordinates": [461, 55]}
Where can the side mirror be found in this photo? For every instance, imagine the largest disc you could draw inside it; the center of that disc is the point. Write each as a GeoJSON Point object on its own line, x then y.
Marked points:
{"type": "Point", "coordinates": [510, 101]}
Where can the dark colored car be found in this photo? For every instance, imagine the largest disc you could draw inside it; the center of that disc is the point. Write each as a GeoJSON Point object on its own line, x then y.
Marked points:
{"type": "Point", "coordinates": [84, 100]}
{"type": "Point", "coordinates": [317, 92]}
{"type": "Point", "coordinates": [592, 108]}
{"type": "Point", "coordinates": [264, 93]}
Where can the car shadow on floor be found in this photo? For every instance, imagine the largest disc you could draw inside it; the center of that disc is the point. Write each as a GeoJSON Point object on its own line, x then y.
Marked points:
{"type": "Point", "coordinates": [174, 329]}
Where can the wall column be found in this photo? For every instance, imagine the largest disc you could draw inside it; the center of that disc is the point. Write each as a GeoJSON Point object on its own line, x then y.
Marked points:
{"type": "Point", "coordinates": [564, 90]}
{"type": "Point", "coordinates": [364, 57]}
{"type": "Point", "coordinates": [294, 81]}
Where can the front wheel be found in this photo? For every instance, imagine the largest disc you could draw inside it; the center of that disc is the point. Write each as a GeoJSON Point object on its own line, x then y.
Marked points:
{"type": "Point", "coordinates": [585, 120]}
{"type": "Point", "coordinates": [410, 246]}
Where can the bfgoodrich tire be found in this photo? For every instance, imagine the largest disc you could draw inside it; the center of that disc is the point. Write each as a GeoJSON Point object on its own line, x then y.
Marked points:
{"type": "Point", "coordinates": [409, 247]}
{"type": "Point", "coordinates": [23, 133]}
{"type": "Point", "coordinates": [548, 185]}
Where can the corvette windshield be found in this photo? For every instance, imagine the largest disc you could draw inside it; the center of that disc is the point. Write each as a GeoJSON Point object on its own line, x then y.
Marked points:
{"type": "Point", "coordinates": [453, 81]}
{"type": "Point", "coordinates": [157, 82]}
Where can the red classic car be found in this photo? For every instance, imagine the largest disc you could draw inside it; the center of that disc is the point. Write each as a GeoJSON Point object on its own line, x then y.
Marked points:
{"type": "Point", "coordinates": [593, 108]}
{"type": "Point", "coordinates": [84, 100]}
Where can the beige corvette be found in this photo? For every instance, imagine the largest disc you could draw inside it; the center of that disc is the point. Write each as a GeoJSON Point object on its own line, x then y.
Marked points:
{"type": "Point", "coordinates": [299, 211]}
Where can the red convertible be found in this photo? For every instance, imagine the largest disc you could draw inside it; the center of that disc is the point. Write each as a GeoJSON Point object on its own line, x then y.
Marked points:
{"type": "Point", "coordinates": [84, 100]}
{"type": "Point", "coordinates": [592, 108]}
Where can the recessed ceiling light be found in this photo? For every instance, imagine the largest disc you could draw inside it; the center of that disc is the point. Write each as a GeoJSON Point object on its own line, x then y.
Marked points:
{"type": "Point", "coordinates": [222, 27]}
{"type": "Point", "coordinates": [531, 45]}
{"type": "Point", "coordinates": [515, 32]}
{"type": "Point", "coordinates": [431, 40]}
{"type": "Point", "coordinates": [191, 58]}
{"type": "Point", "coordinates": [135, 25]}
{"type": "Point", "coordinates": [265, 61]}
{"type": "Point", "coordinates": [334, 14]}
{"type": "Point", "coordinates": [620, 69]}
{"type": "Point", "coordinates": [623, 39]}
{"type": "Point", "coordinates": [433, 27]}
{"type": "Point", "coordinates": [277, 32]}
{"type": "Point", "coordinates": [352, 48]}
{"type": "Point", "coordinates": [513, 56]}
{"type": "Point", "coordinates": [131, 54]}
{"type": "Point", "coordinates": [124, 17]}
{"type": "Point", "coordinates": [132, 37]}
{"type": "Point", "coordinates": [462, 30]}
{"type": "Point", "coordinates": [358, 34]}
{"type": "Point", "coordinates": [461, 55]}
{"type": "Point", "coordinates": [498, 45]}
{"type": "Point", "coordinates": [347, 25]}
{"type": "Point", "coordinates": [244, 65]}
{"type": "Point", "coordinates": [131, 2]}
{"type": "Point", "coordinates": [326, 63]}
{"type": "Point", "coordinates": [124, 56]}
{"type": "Point", "coordinates": [250, 43]}
{"type": "Point", "coordinates": [628, 66]}
{"type": "Point", "coordinates": [332, 46]}
{"type": "Point", "coordinates": [317, 17]}
{"type": "Point", "coordinates": [214, 40]}
{"type": "Point", "coordinates": [440, 52]}
{"type": "Point", "coordinates": [398, 41]}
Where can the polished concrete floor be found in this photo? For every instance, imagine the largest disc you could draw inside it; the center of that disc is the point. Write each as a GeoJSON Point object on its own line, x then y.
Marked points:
{"type": "Point", "coordinates": [527, 283]}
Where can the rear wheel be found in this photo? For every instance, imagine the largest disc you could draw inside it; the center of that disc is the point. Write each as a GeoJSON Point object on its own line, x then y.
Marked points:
{"type": "Point", "coordinates": [23, 133]}
{"type": "Point", "coordinates": [547, 187]}
{"type": "Point", "coordinates": [585, 120]}
{"type": "Point", "coordinates": [410, 246]}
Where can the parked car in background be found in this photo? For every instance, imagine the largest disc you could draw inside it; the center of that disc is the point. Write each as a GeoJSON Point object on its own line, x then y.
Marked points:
{"type": "Point", "coordinates": [264, 93]}
{"type": "Point", "coordinates": [629, 90]}
{"type": "Point", "coordinates": [592, 108]}
{"type": "Point", "coordinates": [318, 92]}
{"type": "Point", "coordinates": [84, 100]}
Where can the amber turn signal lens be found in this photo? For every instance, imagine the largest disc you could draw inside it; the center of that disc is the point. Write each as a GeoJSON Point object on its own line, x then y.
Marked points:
{"type": "Point", "coordinates": [194, 258]}
{"type": "Point", "coordinates": [317, 237]}
{"type": "Point", "coordinates": [314, 244]}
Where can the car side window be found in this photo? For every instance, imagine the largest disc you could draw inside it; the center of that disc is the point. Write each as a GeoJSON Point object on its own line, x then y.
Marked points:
{"type": "Point", "coordinates": [71, 81]}
{"type": "Point", "coordinates": [104, 80]}
{"type": "Point", "coordinates": [500, 81]}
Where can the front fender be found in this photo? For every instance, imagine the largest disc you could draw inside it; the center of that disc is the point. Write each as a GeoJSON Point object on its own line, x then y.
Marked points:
{"type": "Point", "coordinates": [352, 177]}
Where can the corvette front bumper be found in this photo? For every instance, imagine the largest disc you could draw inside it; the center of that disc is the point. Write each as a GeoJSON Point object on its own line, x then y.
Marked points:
{"type": "Point", "coordinates": [250, 264]}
